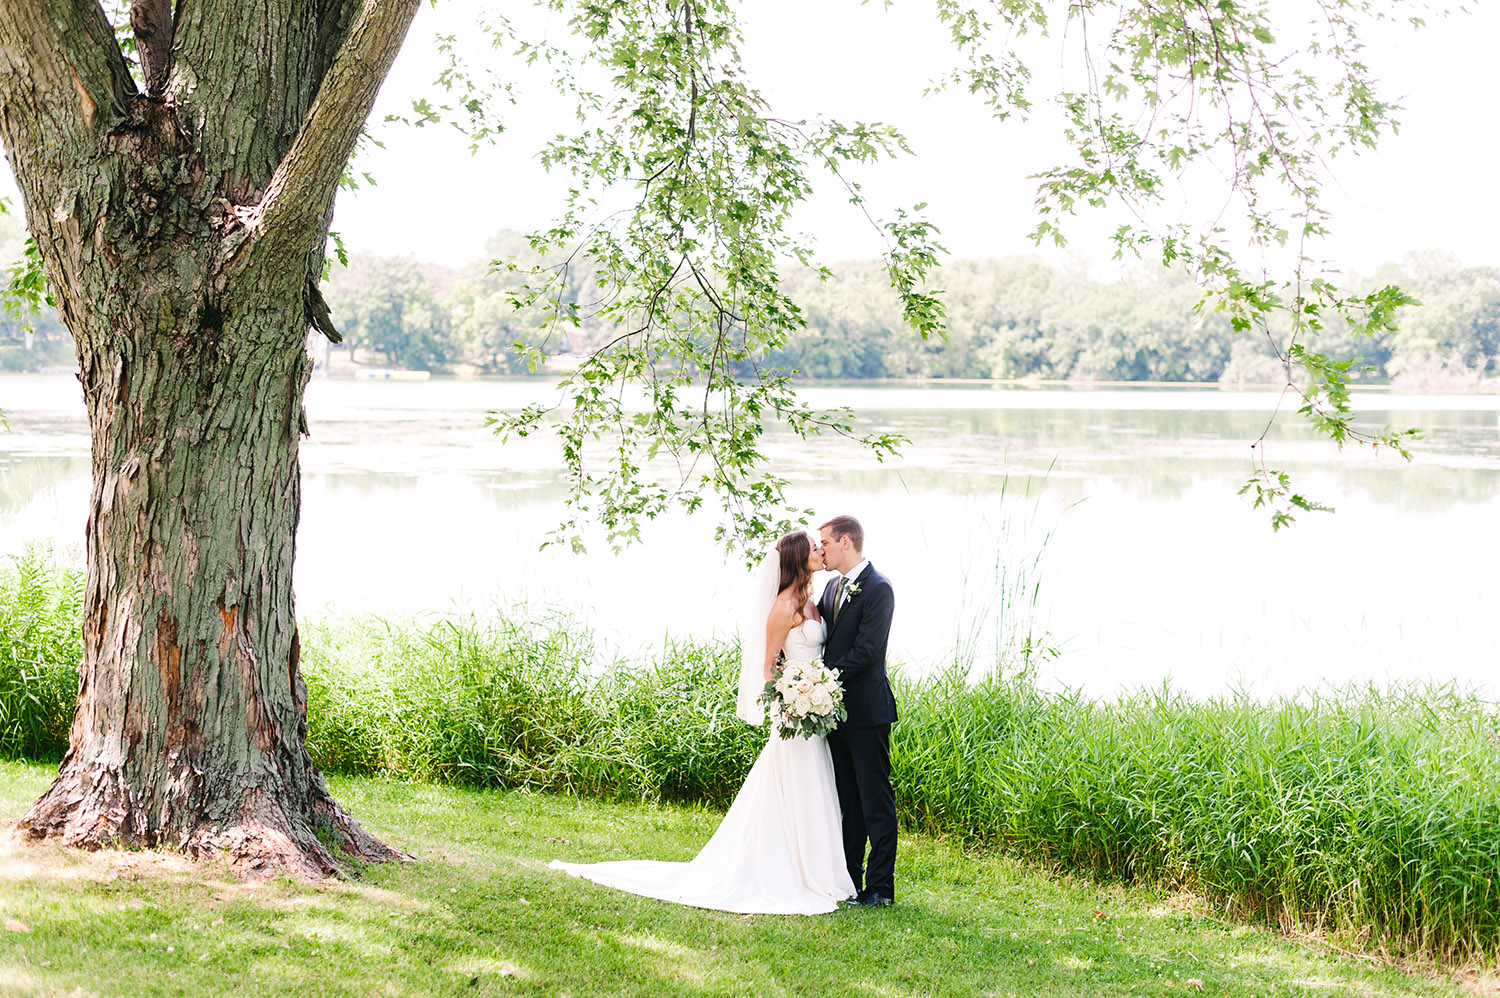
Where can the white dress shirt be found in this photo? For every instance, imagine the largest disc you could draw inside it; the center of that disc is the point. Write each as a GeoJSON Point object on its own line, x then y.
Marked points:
{"type": "Point", "coordinates": [853, 574]}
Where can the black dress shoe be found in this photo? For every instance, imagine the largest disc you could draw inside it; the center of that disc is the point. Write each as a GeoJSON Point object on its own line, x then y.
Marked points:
{"type": "Point", "coordinates": [875, 899]}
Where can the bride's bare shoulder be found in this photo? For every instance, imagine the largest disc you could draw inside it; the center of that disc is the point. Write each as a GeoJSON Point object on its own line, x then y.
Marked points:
{"type": "Point", "coordinates": [785, 607]}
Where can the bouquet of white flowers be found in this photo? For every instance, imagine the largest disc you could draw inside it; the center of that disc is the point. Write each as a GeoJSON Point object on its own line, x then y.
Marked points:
{"type": "Point", "coordinates": [805, 699]}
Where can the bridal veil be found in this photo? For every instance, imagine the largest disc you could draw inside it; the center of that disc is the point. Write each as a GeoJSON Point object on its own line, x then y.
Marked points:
{"type": "Point", "coordinates": [765, 583]}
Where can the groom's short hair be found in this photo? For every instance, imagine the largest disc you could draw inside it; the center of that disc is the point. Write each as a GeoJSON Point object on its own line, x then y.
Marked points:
{"type": "Point", "coordinates": [847, 526]}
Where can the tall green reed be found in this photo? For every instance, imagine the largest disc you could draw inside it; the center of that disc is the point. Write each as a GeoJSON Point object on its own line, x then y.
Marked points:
{"type": "Point", "coordinates": [41, 644]}
{"type": "Point", "coordinates": [1369, 812]}
{"type": "Point", "coordinates": [511, 702]}
{"type": "Point", "coordinates": [1000, 578]}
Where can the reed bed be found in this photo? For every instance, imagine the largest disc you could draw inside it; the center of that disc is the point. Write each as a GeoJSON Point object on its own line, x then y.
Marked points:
{"type": "Point", "coordinates": [41, 643]}
{"type": "Point", "coordinates": [1372, 814]}
{"type": "Point", "coordinates": [505, 702]}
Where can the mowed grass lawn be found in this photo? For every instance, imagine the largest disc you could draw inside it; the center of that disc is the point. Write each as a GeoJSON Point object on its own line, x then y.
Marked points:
{"type": "Point", "coordinates": [481, 914]}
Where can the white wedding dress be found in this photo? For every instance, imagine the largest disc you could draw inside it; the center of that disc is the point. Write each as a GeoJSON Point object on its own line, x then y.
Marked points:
{"type": "Point", "coordinates": [778, 851]}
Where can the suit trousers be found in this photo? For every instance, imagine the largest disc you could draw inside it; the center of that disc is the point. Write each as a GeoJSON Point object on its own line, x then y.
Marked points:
{"type": "Point", "coordinates": [862, 769]}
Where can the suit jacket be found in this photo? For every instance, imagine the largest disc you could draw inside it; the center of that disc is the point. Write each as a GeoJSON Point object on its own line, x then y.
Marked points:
{"type": "Point", "coordinates": [856, 647]}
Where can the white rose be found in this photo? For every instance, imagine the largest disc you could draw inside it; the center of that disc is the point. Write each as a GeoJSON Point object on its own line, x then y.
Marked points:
{"type": "Point", "coordinates": [802, 704]}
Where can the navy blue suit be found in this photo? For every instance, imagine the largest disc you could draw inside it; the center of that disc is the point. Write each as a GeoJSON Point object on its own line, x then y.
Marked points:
{"type": "Point", "coordinates": [861, 745]}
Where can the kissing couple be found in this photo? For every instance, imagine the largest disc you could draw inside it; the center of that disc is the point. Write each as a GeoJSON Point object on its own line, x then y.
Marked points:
{"type": "Point", "coordinates": [793, 841]}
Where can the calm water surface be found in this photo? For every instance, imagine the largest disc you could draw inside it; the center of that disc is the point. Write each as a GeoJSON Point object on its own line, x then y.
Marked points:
{"type": "Point", "coordinates": [1151, 567]}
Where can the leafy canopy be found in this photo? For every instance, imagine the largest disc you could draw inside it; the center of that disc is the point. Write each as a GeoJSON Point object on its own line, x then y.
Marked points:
{"type": "Point", "coordinates": [1157, 97]}
{"type": "Point", "coordinates": [684, 181]}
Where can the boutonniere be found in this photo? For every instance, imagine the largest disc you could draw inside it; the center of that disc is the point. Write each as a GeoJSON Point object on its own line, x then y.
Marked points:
{"type": "Point", "coordinates": [852, 590]}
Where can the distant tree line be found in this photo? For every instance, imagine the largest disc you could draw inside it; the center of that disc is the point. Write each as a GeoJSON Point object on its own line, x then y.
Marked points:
{"type": "Point", "coordinates": [1010, 318]}
{"type": "Point", "coordinates": [1021, 318]}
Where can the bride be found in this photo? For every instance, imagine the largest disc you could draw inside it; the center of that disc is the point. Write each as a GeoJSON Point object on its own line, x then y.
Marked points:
{"type": "Point", "coordinates": [779, 849]}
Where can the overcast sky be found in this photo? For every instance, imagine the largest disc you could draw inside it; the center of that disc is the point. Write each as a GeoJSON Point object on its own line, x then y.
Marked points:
{"type": "Point", "coordinates": [1427, 188]}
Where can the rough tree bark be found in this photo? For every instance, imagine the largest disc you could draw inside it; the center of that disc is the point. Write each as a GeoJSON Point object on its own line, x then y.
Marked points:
{"type": "Point", "coordinates": [182, 232]}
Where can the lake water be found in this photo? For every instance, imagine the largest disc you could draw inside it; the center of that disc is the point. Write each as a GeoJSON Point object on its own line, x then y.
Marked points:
{"type": "Point", "coordinates": [1150, 567]}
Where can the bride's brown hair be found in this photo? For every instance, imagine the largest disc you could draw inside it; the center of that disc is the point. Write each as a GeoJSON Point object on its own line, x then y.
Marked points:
{"type": "Point", "coordinates": [795, 548]}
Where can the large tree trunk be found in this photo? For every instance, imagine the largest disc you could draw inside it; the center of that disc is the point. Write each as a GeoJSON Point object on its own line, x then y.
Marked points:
{"type": "Point", "coordinates": [182, 233]}
{"type": "Point", "coordinates": [191, 726]}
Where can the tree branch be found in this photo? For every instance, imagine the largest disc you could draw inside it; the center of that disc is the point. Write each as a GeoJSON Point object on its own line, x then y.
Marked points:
{"type": "Point", "coordinates": [296, 204]}
{"type": "Point", "coordinates": [63, 82]}
{"type": "Point", "coordinates": [244, 75]}
{"type": "Point", "coordinates": [59, 58]}
{"type": "Point", "coordinates": [151, 20]}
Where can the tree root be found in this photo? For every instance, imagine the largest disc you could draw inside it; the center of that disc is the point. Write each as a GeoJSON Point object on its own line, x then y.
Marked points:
{"type": "Point", "coordinates": [305, 834]}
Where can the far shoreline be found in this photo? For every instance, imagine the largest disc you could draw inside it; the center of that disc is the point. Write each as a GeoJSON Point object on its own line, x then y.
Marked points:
{"type": "Point", "coordinates": [555, 371]}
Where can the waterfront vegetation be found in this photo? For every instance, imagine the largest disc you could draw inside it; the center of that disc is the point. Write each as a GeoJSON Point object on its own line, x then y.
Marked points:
{"type": "Point", "coordinates": [1370, 815]}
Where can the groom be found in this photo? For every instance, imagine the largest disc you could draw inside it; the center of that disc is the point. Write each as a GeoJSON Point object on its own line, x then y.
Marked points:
{"type": "Point", "coordinates": [858, 609]}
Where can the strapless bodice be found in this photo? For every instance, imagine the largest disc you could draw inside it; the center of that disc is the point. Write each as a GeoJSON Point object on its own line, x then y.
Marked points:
{"type": "Point", "coordinates": [805, 641]}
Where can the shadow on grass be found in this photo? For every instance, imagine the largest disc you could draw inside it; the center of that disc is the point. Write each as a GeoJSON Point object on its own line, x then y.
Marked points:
{"type": "Point", "coordinates": [481, 914]}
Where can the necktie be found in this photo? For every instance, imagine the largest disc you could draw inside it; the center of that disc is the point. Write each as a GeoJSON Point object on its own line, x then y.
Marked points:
{"type": "Point", "coordinates": [838, 600]}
